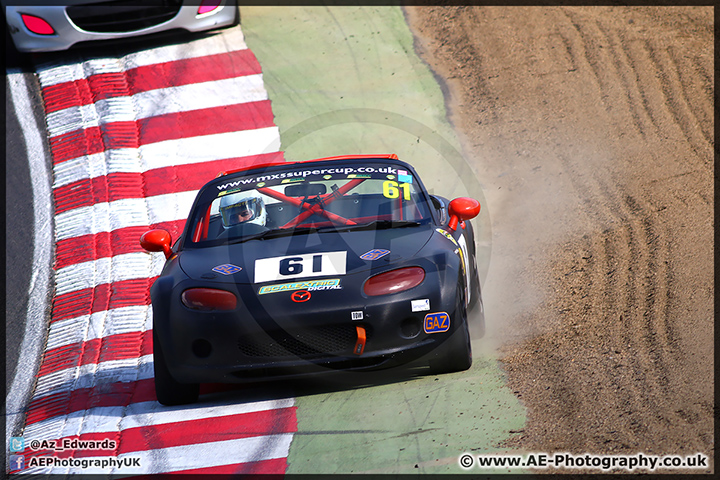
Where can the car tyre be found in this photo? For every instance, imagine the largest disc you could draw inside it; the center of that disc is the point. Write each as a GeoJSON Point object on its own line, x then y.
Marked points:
{"type": "Point", "coordinates": [476, 306]}
{"type": "Point", "coordinates": [456, 352]}
{"type": "Point", "coordinates": [169, 391]}
{"type": "Point", "coordinates": [237, 20]}
{"type": "Point", "coordinates": [474, 287]}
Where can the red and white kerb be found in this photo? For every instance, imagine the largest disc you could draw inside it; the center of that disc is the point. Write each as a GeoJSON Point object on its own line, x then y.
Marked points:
{"type": "Point", "coordinates": [132, 140]}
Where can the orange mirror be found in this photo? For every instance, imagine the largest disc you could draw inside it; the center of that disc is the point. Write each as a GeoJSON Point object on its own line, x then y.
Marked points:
{"type": "Point", "coordinates": [157, 241]}
{"type": "Point", "coordinates": [461, 209]}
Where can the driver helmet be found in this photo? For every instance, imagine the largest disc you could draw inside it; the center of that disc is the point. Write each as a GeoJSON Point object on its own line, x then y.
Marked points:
{"type": "Point", "coordinates": [242, 207]}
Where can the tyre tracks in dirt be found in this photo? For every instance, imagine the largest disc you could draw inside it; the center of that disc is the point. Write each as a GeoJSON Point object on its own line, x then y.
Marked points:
{"type": "Point", "coordinates": [592, 128]}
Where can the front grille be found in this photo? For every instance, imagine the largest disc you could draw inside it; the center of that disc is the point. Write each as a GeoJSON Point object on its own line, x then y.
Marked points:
{"type": "Point", "coordinates": [329, 339]}
{"type": "Point", "coordinates": [356, 363]}
{"type": "Point", "coordinates": [123, 15]}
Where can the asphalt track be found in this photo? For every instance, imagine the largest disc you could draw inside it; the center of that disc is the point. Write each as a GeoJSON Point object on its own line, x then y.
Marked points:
{"type": "Point", "coordinates": [347, 80]}
{"type": "Point", "coordinates": [28, 241]}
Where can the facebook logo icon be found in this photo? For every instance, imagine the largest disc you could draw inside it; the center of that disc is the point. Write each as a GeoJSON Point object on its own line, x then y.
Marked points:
{"type": "Point", "coordinates": [17, 462]}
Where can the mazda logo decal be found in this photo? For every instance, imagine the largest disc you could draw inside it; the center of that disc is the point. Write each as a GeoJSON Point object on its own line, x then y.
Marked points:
{"type": "Point", "coordinates": [300, 296]}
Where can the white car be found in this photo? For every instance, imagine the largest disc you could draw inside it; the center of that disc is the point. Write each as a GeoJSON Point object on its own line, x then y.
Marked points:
{"type": "Point", "coordinates": [58, 27]}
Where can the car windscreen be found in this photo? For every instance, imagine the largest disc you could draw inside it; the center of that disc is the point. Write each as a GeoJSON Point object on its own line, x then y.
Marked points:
{"type": "Point", "coordinates": [324, 197]}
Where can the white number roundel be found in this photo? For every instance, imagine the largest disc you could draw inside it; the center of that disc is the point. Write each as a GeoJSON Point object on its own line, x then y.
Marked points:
{"type": "Point", "coordinates": [290, 267]}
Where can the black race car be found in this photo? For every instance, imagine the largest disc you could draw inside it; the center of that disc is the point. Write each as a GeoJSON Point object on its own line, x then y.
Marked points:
{"type": "Point", "coordinates": [342, 263]}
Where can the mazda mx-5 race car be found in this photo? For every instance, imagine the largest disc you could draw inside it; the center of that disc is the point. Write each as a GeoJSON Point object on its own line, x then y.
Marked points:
{"type": "Point", "coordinates": [343, 263]}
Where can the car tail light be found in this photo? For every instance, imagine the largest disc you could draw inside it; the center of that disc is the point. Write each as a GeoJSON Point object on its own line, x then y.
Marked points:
{"type": "Point", "coordinates": [394, 281]}
{"type": "Point", "coordinates": [207, 6]}
{"type": "Point", "coordinates": [209, 299]}
{"type": "Point", "coordinates": [37, 25]}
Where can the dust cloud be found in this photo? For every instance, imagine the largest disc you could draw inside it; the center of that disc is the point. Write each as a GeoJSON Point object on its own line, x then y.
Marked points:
{"type": "Point", "coordinates": [591, 130]}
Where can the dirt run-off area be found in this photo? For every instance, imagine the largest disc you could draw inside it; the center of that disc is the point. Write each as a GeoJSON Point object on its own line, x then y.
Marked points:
{"type": "Point", "coordinates": [591, 130]}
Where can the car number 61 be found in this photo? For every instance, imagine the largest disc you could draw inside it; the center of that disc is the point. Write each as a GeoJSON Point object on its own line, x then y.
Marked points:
{"type": "Point", "coordinates": [392, 190]}
{"type": "Point", "coordinates": [300, 266]}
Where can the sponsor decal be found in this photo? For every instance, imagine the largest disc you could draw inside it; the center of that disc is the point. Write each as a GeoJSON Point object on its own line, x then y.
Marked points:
{"type": "Point", "coordinates": [260, 185]}
{"type": "Point", "coordinates": [228, 192]}
{"type": "Point", "coordinates": [310, 285]}
{"type": "Point", "coordinates": [356, 315]}
{"type": "Point", "coordinates": [360, 172]}
{"type": "Point", "coordinates": [404, 176]}
{"type": "Point", "coordinates": [374, 254]}
{"type": "Point", "coordinates": [390, 177]}
{"type": "Point", "coordinates": [300, 296]}
{"type": "Point", "coordinates": [291, 267]}
{"type": "Point", "coordinates": [327, 177]}
{"type": "Point", "coordinates": [436, 322]}
{"type": "Point", "coordinates": [293, 180]}
{"type": "Point", "coordinates": [227, 269]}
{"type": "Point", "coordinates": [447, 235]}
{"type": "Point", "coordinates": [325, 287]}
{"type": "Point", "coordinates": [459, 253]}
{"type": "Point", "coordinates": [464, 260]}
{"type": "Point", "coordinates": [422, 305]}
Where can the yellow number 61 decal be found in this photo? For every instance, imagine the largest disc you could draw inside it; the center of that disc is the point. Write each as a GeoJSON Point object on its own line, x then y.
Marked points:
{"type": "Point", "coordinates": [392, 190]}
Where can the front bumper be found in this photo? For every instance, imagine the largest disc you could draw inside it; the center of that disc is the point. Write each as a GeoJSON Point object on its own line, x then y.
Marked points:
{"type": "Point", "coordinates": [271, 336]}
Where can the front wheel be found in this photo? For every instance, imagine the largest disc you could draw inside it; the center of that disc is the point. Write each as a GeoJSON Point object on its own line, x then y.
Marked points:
{"type": "Point", "coordinates": [476, 307]}
{"type": "Point", "coordinates": [168, 391]}
{"type": "Point", "coordinates": [455, 353]}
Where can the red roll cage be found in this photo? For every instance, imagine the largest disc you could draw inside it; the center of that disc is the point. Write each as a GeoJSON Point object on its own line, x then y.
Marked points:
{"type": "Point", "coordinates": [308, 208]}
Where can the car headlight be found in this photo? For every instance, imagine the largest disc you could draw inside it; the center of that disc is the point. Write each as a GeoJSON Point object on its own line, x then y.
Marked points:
{"type": "Point", "coordinates": [37, 25]}
{"type": "Point", "coordinates": [394, 281]}
{"type": "Point", "coordinates": [209, 299]}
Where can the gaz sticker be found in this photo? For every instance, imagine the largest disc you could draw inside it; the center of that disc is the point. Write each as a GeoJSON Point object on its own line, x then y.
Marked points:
{"type": "Point", "coordinates": [291, 267]}
{"type": "Point", "coordinates": [436, 322]}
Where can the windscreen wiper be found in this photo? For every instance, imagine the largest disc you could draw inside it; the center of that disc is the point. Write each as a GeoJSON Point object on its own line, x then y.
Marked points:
{"type": "Point", "coordinates": [374, 225]}
{"type": "Point", "coordinates": [281, 232]}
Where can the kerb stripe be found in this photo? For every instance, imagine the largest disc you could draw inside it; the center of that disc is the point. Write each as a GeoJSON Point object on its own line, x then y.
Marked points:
{"type": "Point", "coordinates": [101, 86]}
{"type": "Point", "coordinates": [160, 181]}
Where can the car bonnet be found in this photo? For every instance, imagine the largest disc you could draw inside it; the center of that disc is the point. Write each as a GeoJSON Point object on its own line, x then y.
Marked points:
{"type": "Point", "coordinates": [296, 257]}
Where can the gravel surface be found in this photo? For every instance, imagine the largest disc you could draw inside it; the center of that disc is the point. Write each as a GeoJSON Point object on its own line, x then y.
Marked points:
{"type": "Point", "coordinates": [591, 130]}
